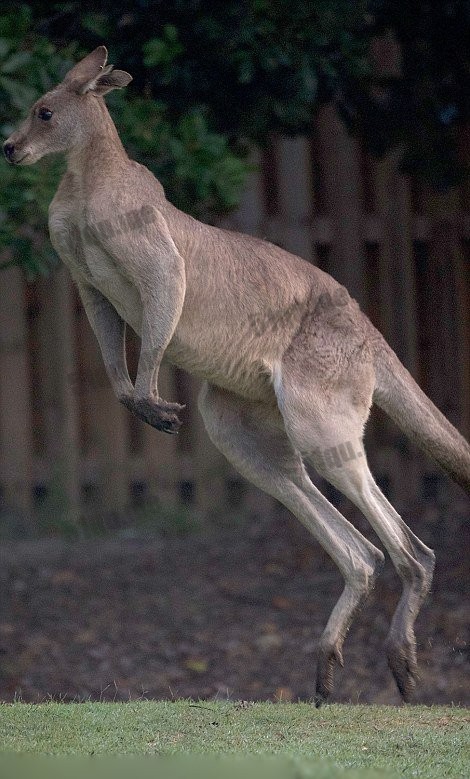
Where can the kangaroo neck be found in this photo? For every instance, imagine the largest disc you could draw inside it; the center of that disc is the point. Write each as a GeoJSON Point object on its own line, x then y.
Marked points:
{"type": "Point", "coordinates": [100, 156]}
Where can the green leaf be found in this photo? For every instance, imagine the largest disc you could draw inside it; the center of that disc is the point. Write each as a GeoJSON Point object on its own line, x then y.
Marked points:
{"type": "Point", "coordinates": [154, 52]}
{"type": "Point", "coordinates": [97, 23]}
{"type": "Point", "coordinates": [21, 95]}
{"type": "Point", "coordinates": [15, 62]}
{"type": "Point", "coordinates": [5, 46]}
{"type": "Point", "coordinates": [170, 32]}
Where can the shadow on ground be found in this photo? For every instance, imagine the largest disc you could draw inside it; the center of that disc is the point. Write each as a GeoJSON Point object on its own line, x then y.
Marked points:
{"type": "Point", "coordinates": [234, 613]}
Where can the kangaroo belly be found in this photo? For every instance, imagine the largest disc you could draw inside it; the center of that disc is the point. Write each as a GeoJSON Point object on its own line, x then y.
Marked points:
{"type": "Point", "coordinates": [232, 361]}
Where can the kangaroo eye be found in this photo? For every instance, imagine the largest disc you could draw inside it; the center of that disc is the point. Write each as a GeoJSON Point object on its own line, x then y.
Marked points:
{"type": "Point", "coordinates": [44, 114]}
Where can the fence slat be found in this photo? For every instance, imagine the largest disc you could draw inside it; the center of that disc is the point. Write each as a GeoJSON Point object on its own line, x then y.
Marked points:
{"type": "Point", "coordinates": [396, 266]}
{"type": "Point", "coordinates": [209, 468]}
{"type": "Point", "coordinates": [295, 195]}
{"type": "Point", "coordinates": [250, 216]}
{"type": "Point", "coordinates": [57, 365]}
{"type": "Point", "coordinates": [106, 445]}
{"type": "Point", "coordinates": [444, 372]}
{"type": "Point", "coordinates": [341, 171]}
{"type": "Point", "coordinates": [463, 308]}
{"type": "Point", "coordinates": [16, 443]}
{"type": "Point", "coordinates": [160, 452]}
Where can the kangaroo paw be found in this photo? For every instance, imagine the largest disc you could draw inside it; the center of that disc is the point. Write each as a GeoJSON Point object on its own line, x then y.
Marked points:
{"type": "Point", "coordinates": [328, 657]}
{"type": "Point", "coordinates": [403, 665]}
{"type": "Point", "coordinates": [159, 414]}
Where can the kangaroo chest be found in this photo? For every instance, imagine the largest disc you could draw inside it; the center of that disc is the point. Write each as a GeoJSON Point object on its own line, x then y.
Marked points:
{"type": "Point", "coordinates": [75, 241]}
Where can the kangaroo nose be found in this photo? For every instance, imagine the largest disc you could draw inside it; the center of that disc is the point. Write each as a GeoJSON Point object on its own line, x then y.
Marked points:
{"type": "Point", "coordinates": [8, 150]}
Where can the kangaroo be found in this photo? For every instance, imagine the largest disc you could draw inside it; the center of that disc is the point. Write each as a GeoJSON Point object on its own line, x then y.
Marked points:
{"type": "Point", "coordinates": [291, 365]}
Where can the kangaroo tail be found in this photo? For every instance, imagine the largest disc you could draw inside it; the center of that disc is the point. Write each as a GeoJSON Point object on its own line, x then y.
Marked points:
{"type": "Point", "coordinates": [397, 393]}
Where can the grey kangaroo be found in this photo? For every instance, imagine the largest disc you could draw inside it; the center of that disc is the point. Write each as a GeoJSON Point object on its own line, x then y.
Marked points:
{"type": "Point", "coordinates": [274, 395]}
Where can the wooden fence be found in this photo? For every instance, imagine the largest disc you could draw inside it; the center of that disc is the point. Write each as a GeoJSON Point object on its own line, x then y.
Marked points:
{"type": "Point", "coordinates": [401, 250]}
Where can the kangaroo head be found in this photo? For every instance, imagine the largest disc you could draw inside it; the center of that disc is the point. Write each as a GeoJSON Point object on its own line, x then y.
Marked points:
{"type": "Point", "coordinates": [67, 116]}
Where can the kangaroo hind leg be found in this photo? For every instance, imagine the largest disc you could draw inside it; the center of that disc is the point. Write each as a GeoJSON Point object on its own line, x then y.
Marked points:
{"type": "Point", "coordinates": [253, 439]}
{"type": "Point", "coordinates": [327, 428]}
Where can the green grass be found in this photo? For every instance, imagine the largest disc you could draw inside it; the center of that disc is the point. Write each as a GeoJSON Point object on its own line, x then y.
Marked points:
{"type": "Point", "coordinates": [406, 741]}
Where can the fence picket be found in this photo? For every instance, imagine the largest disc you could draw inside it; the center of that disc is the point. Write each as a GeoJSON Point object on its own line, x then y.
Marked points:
{"type": "Point", "coordinates": [16, 444]}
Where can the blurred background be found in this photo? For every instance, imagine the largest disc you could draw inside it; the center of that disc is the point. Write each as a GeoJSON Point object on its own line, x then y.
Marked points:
{"type": "Point", "coordinates": [337, 130]}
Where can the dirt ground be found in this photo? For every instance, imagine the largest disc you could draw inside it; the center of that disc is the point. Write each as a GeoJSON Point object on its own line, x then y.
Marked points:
{"type": "Point", "coordinates": [231, 613]}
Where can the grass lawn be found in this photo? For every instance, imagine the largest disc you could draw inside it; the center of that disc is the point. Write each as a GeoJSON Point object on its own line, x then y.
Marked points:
{"type": "Point", "coordinates": [407, 741]}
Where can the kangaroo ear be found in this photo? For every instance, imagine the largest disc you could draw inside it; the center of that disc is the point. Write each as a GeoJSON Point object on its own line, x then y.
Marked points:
{"type": "Point", "coordinates": [87, 69]}
{"type": "Point", "coordinates": [107, 80]}
{"type": "Point", "coordinates": [93, 75]}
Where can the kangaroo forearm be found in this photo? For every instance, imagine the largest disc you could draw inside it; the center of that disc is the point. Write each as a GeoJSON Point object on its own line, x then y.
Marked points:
{"type": "Point", "coordinates": [160, 317]}
{"type": "Point", "coordinates": [109, 329]}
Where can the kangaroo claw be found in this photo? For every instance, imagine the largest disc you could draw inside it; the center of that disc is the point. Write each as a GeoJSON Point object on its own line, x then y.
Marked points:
{"type": "Point", "coordinates": [159, 414]}
{"type": "Point", "coordinates": [328, 657]}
